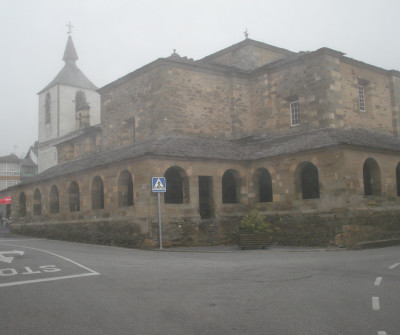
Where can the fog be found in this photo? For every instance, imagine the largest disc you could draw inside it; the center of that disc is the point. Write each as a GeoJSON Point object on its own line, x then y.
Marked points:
{"type": "Point", "coordinates": [113, 38]}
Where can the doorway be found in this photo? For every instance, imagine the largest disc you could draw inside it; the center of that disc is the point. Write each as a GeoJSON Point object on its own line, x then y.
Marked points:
{"type": "Point", "coordinates": [206, 197]}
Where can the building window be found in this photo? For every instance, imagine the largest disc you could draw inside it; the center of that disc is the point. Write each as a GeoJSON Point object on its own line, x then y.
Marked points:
{"type": "Point", "coordinates": [54, 200]}
{"type": "Point", "coordinates": [47, 109]}
{"type": "Point", "coordinates": [133, 131]}
{"type": "Point", "coordinates": [37, 203]}
{"type": "Point", "coordinates": [307, 181]}
{"type": "Point", "coordinates": [361, 98]}
{"type": "Point", "coordinates": [372, 177]}
{"type": "Point", "coordinates": [74, 201]}
{"type": "Point", "coordinates": [230, 187]}
{"type": "Point", "coordinates": [263, 184]}
{"type": "Point", "coordinates": [9, 169]}
{"type": "Point", "coordinates": [125, 189]}
{"type": "Point", "coordinates": [22, 204]}
{"type": "Point", "coordinates": [177, 186]}
{"type": "Point", "coordinates": [97, 193]}
{"type": "Point", "coordinates": [294, 113]}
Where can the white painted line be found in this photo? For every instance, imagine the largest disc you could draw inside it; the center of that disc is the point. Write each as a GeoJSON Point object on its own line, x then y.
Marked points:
{"type": "Point", "coordinates": [378, 281]}
{"type": "Point", "coordinates": [393, 266]}
{"type": "Point", "coordinates": [380, 332]}
{"type": "Point", "coordinates": [375, 304]}
{"type": "Point", "coordinates": [48, 279]}
{"type": "Point", "coordinates": [51, 253]}
{"type": "Point", "coordinates": [90, 272]}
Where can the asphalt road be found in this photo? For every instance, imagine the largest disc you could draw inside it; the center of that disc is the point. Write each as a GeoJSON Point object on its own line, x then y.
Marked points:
{"type": "Point", "coordinates": [53, 287]}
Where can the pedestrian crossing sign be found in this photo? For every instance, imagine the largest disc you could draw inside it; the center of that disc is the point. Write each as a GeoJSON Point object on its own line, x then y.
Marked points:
{"type": "Point", "coordinates": [159, 184]}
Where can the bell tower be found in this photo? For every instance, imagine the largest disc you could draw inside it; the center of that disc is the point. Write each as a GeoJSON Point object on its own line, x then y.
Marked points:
{"type": "Point", "coordinates": [67, 104]}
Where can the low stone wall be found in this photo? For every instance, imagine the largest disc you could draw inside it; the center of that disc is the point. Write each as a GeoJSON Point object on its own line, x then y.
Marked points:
{"type": "Point", "coordinates": [344, 229]}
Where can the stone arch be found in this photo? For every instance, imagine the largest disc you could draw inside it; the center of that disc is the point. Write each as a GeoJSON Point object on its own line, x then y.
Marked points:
{"type": "Point", "coordinates": [231, 187]}
{"type": "Point", "coordinates": [177, 186]}
{"type": "Point", "coordinates": [74, 197]}
{"type": "Point", "coordinates": [37, 202]}
{"type": "Point", "coordinates": [398, 179]}
{"type": "Point", "coordinates": [125, 189]}
{"type": "Point", "coordinates": [371, 177]}
{"type": "Point", "coordinates": [97, 193]}
{"type": "Point", "coordinates": [307, 181]}
{"type": "Point", "coordinates": [54, 200]}
{"type": "Point", "coordinates": [22, 204]}
{"type": "Point", "coordinates": [263, 185]}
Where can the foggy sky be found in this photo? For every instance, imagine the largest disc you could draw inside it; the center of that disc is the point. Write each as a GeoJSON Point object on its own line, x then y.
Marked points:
{"type": "Point", "coordinates": [113, 38]}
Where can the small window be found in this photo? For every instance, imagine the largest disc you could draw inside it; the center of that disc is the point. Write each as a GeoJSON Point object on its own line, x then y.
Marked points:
{"type": "Point", "coordinates": [361, 98]}
{"type": "Point", "coordinates": [47, 108]}
{"type": "Point", "coordinates": [133, 131]}
{"type": "Point", "coordinates": [294, 113]}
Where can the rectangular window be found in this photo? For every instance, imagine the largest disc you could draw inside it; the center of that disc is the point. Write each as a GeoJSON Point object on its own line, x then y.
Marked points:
{"type": "Point", "coordinates": [361, 98]}
{"type": "Point", "coordinates": [294, 113]}
{"type": "Point", "coordinates": [9, 169]}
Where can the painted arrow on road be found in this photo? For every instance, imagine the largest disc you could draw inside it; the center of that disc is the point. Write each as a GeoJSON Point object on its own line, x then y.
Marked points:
{"type": "Point", "coordinates": [9, 259]}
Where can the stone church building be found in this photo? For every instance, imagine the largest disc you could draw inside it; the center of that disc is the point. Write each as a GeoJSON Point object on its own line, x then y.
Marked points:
{"type": "Point", "coordinates": [311, 139]}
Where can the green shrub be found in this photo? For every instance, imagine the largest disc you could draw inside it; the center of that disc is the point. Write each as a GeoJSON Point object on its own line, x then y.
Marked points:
{"type": "Point", "coordinates": [255, 223]}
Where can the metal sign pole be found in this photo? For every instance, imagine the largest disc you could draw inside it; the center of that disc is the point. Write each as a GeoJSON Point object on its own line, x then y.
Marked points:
{"type": "Point", "coordinates": [159, 219]}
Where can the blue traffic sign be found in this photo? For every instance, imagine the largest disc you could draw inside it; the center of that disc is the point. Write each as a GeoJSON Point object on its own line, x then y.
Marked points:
{"type": "Point", "coordinates": [159, 184]}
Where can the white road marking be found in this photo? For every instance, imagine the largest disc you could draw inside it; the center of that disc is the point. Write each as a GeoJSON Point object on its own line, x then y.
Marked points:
{"type": "Point", "coordinates": [393, 266]}
{"type": "Point", "coordinates": [380, 332]}
{"type": "Point", "coordinates": [90, 271]}
{"type": "Point", "coordinates": [375, 304]}
{"type": "Point", "coordinates": [48, 279]}
{"type": "Point", "coordinates": [9, 259]}
{"type": "Point", "coordinates": [378, 281]}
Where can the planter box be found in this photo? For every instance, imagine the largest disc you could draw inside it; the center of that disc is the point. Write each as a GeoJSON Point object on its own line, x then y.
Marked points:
{"type": "Point", "coordinates": [254, 241]}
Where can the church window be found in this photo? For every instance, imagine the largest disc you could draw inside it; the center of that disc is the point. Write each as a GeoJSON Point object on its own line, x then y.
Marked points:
{"type": "Point", "coordinates": [177, 186]}
{"type": "Point", "coordinates": [37, 203]}
{"type": "Point", "coordinates": [307, 181]}
{"type": "Point", "coordinates": [73, 194]}
{"type": "Point", "coordinates": [125, 189]}
{"type": "Point", "coordinates": [230, 187]}
{"type": "Point", "coordinates": [54, 200]}
{"type": "Point", "coordinates": [372, 177]}
{"type": "Point", "coordinates": [263, 184]}
{"type": "Point", "coordinates": [133, 131]}
{"type": "Point", "coordinates": [22, 204]}
{"type": "Point", "coordinates": [294, 113]}
{"type": "Point", "coordinates": [47, 109]}
{"type": "Point", "coordinates": [361, 98]}
{"type": "Point", "coordinates": [398, 179]}
{"type": "Point", "coordinates": [97, 193]}
{"type": "Point", "coordinates": [80, 101]}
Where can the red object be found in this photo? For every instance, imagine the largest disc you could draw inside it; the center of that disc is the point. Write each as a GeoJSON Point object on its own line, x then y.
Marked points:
{"type": "Point", "coordinates": [6, 200]}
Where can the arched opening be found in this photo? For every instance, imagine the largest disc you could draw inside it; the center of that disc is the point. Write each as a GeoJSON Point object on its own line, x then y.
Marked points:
{"type": "Point", "coordinates": [125, 189]}
{"type": "Point", "coordinates": [230, 187]}
{"type": "Point", "coordinates": [37, 202]}
{"type": "Point", "coordinates": [22, 204]}
{"type": "Point", "coordinates": [54, 200]}
{"type": "Point", "coordinates": [307, 181]}
{"type": "Point", "coordinates": [97, 193]}
{"type": "Point", "coordinates": [263, 185]}
{"type": "Point", "coordinates": [73, 195]}
{"type": "Point", "coordinates": [398, 179]}
{"type": "Point", "coordinates": [80, 101]}
{"type": "Point", "coordinates": [372, 177]}
{"type": "Point", "coordinates": [177, 183]}
{"type": "Point", "coordinates": [47, 109]}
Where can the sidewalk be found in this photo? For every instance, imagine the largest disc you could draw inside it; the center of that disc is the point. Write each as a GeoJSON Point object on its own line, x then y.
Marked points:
{"type": "Point", "coordinates": [235, 248]}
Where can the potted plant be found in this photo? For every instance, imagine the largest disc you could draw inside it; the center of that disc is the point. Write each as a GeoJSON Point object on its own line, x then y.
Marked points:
{"type": "Point", "coordinates": [254, 231]}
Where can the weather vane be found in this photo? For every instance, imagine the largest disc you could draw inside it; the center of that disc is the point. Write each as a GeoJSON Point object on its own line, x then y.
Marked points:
{"type": "Point", "coordinates": [69, 26]}
{"type": "Point", "coordinates": [246, 33]}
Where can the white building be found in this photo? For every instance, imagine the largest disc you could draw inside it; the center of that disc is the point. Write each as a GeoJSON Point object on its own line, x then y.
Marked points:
{"type": "Point", "coordinates": [60, 106]}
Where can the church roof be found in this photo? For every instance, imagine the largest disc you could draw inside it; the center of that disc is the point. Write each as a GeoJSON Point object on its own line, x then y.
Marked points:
{"type": "Point", "coordinates": [245, 149]}
{"type": "Point", "coordinates": [70, 74]}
